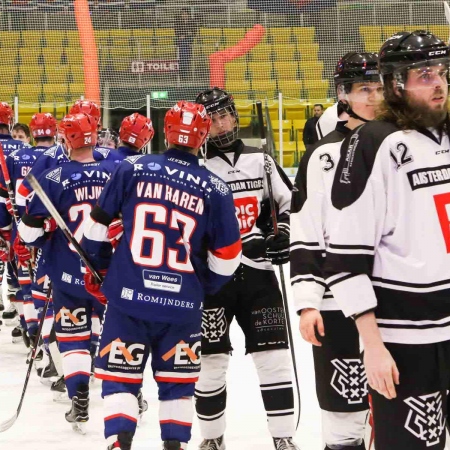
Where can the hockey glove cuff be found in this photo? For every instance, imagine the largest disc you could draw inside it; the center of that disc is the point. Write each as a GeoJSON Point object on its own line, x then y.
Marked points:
{"type": "Point", "coordinates": [277, 248]}
{"type": "Point", "coordinates": [49, 225]}
{"type": "Point", "coordinates": [92, 286]}
{"type": "Point", "coordinates": [9, 206]}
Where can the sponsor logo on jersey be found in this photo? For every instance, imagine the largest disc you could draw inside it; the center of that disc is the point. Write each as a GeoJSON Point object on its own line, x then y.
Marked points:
{"type": "Point", "coordinates": [214, 324]}
{"type": "Point", "coordinates": [51, 151]}
{"type": "Point", "coordinates": [246, 212]}
{"type": "Point", "coordinates": [54, 175]}
{"type": "Point", "coordinates": [349, 157]}
{"type": "Point", "coordinates": [184, 354]}
{"type": "Point", "coordinates": [425, 418]}
{"type": "Point", "coordinates": [133, 159]}
{"type": "Point", "coordinates": [127, 294]}
{"type": "Point", "coordinates": [349, 380]}
{"type": "Point", "coordinates": [430, 176]}
{"type": "Point", "coordinates": [164, 301]}
{"type": "Point", "coordinates": [162, 281]}
{"type": "Point", "coordinates": [26, 157]}
{"type": "Point", "coordinates": [76, 176]}
{"type": "Point", "coordinates": [254, 184]}
{"type": "Point", "coordinates": [70, 318]}
{"type": "Point", "coordinates": [153, 166]}
{"type": "Point", "coordinates": [124, 353]}
{"type": "Point", "coordinates": [179, 161]}
{"type": "Point", "coordinates": [219, 185]}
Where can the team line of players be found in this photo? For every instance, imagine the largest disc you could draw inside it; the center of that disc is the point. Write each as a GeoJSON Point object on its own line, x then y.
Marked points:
{"type": "Point", "coordinates": [186, 248]}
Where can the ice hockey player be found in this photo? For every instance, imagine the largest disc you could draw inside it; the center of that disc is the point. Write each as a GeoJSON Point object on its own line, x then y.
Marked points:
{"type": "Point", "coordinates": [108, 139]}
{"type": "Point", "coordinates": [136, 131]}
{"type": "Point", "coordinates": [388, 257]}
{"type": "Point", "coordinates": [336, 349]}
{"type": "Point", "coordinates": [73, 188]}
{"type": "Point", "coordinates": [181, 239]}
{"type": "Point", "coordinates": [253, 295]}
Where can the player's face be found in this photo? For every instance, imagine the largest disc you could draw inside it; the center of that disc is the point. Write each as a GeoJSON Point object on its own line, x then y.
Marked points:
{"type": "Point", "coordinates": [21, 136]}
{"type": "Point", "coordinates": [223, 122]}
{"type": "Point", "coordinates": [427, 87]}
{"type": "Point", "coordinates": [365, 99]}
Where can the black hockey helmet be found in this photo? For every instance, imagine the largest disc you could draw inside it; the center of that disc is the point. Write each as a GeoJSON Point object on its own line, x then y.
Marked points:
{"type": "Point", "coordinates": [357, 67]}
{"type": "Point", "coordinates": [216, 100]}
{"type": "Point", "coordinates": [407, 50]}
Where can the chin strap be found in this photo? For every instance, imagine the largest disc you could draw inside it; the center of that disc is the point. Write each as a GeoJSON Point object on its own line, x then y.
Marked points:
{"type": "Point", "coordinates": [348, 109]}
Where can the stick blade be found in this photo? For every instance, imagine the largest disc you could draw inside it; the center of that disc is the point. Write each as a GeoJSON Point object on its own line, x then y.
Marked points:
{"type": "Point", "coordinates": [8, 423]}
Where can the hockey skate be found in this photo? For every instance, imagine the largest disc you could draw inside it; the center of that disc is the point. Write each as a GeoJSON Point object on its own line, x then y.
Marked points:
{"type": "Point", "coordinates": [79, 413]}
{"type": "Point", "coordinates": [2, 305]}
{"type": "Point", "coordinates": [48, 373]}
{"type": "Point", "coordinates": [143, 405]}
{"type": "Point", "coordinates": [10, 315]}
{"type": "Point", "coordinates": [285, 444]}
{"type": "Point", "coordinates": [171, 445]}
{"type": "Point", "coordinates": [124, 440]}
{"type": "Point", "coordinates": [213, 444]}
{"type": "Point", "coordinates": [16, 334]}
{"type": "Point", "coordinates": [60, 391]}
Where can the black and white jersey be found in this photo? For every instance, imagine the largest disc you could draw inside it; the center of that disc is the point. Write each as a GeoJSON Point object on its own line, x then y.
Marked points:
{"type": "Point", "coordinates": [242, 168]}
{"type": "Point", "coordinates": [311, 200]}
{"type": "Point", "coordinates": [328, 120]}
{"type": "Point", "coordinates": [389, 243]}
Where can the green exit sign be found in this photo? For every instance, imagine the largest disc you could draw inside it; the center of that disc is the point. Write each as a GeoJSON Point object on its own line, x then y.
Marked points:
{"type": "Point", "coordinates": [160, 94]}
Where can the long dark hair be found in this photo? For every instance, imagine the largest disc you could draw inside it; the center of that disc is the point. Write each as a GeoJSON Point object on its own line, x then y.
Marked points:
{"type": "Point", "coordinates": [395, 109]}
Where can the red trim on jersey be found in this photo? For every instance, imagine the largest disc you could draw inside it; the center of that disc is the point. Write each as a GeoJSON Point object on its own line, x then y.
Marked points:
{"type": "Point", "coordinates": [176, 380]}
{"type": "Point", "coordinates": [118, 379]}
{"type": "Point", "coordinates": [66, 377]}
{"type": "Point", "coordinates": [73, 338]}
{"type": "Point", "coordinates": [229, 252]}
{"type": "Point", "coordinates": [23, 191]}
{"type": "Point", "coordinates": [123, 416]}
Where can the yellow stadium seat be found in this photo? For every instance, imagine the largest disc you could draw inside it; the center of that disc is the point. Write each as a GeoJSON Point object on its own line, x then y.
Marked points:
{"type": "Point", "coordinates": [9, 74]}
{"type": "Point", "coordinates": [390, 30]}
{"type": "Point", "coordinates": [56, 74]}
{"type": "Point", "coordinates": [317, 89]}
{"type": "Point", "coordinates": [441, 31]}
{"type": "Point", "coordinates": [239, 89]}
{"type": "Point", "coordinates": [273, 111]}
{"type": "Point", "coordinates": [29, 93]}
{"type": "Point", "coordinates": [286, 70]}
{"type": "Point", "coordinates": [372, 46]}
{"type": "Point", "coordinates": [33, 39]}
{"type": "Point", "coordinates": [233, 35]}
{"type": "Point", "coordinates": [311, 69]}
{"type": "Point", "coordinates": [7, 92]}
{"type": "Point", "coordinates": [295, 111]}
{"type": "Point", "coordinates": [236, 70]}
{"type": "Point", "coordinates": [284, 52]}
{"type": "Point", "coordinates": [309, 52]}
{"type": "Point", "coordinates": [290, 88]}
{"type": "Point", "coordinates": [58, 109]}
{"type": "Point", "coordinates": [9, 39]}
{"type": "Point", "coordinates": [281, 35]}
{"type": "Point", "coordinates": [70, 39]}
{"type": "Point", "coordinates": [145, 53]}
{"type": "Point", "coordinates": [31, 73]}
{"type": "Point", "coordinates": [165, 52]}
{"type": "Point", "coordinates": [371, 33]}
{"type": "Point", "coordinates": [76, 89]}
{"type": "Point", "coordinates": [261, 52]}
{"type": "Point", "coordinates": [75, 75]}
{"type": "Point", "coordinates": [304, 34]}
{"type": "Point", "coordinates": [245, 111]}
{"type": "Point", "coordinates": [264, 89]}
{"type": "Point", "coordinates": [284, 127]}
{"type": "Point", "coordinates": [74, 55]}
{"type": "Point", "coordinates": [55, 92]}
{"type": "Point", "coordinates": [260, 70]}
{"type": "Point", "coordinates": [51, 56]}
{"type": "Point", "coordinates": [298, 125]}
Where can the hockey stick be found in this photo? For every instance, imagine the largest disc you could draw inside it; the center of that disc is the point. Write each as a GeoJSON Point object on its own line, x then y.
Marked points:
{"type": "Point", "coordinates": [447, 16]}
{"type": "Point", "coordinates": [61, 224]}
{"type": "Point", "coordinates": [10, 422]}
{"type": "Point", "coordinates": [12, 199]}
{"type": "Point", "coordinates": [268, 171]}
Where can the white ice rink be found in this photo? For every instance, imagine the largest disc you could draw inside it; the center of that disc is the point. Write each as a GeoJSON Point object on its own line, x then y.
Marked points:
{"type": "Point", "coordinates": [41, 424]}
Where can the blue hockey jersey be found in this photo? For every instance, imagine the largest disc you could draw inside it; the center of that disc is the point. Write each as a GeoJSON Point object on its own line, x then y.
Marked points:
{"type": "Point", "coordinates": [56, 155]}
{"type": "Point", "coordinates": [73, 188]}
{"type": "Point", "coordinates": [181, 236]}
{"type": "Point", "coordinates": [9, 144]}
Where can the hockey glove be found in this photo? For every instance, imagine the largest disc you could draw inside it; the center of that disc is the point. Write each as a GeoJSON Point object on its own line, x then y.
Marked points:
{"type": "Point", "coordinates": [50, 225]}
{"type": "Point", "coordinates": [277, 248]}
{"type": "Point", "coordinates": [93, 286]}
{"type": "Point", "coordinates": [115, 232]}
{"type": "Point", "coordinates": [22, 251]}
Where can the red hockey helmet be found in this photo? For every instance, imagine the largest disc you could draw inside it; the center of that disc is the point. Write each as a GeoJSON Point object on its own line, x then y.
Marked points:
{"type": "Point", "coordinates": [187, 124]}
{"type": "Point", "coordinates": [136, 130]}
{"type": "Point", "coordinates": [43, 125]}
{"type": "Point", "coordinates": [87, 107]}
{"type": "Point", "coordinates": [6, 114]}
{"type": "Point", "coordinates": [78, 130]}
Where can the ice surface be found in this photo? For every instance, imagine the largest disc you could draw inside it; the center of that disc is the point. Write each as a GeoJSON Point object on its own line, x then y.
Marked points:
{"type": "Point", "coordinates": [41, 424]}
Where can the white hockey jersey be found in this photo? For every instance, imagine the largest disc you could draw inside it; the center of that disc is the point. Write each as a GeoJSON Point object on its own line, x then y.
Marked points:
{"type": "Point", "coordinates": [389, 247]}
{"type": "Point", "coordinates": [311, 200]}
{"type": "Point", "coordinates": [243, 170]}
{"type": "Point", "coordinates": [328, 121]}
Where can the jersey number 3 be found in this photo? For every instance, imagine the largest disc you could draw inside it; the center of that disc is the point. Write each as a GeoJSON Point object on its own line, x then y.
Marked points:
{"type": "Point", "coordinates": [157, 253]}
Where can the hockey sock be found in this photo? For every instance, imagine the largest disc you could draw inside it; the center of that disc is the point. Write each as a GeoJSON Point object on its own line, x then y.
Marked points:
{"type": "Point", "coordinates": [344, 430]}
{"type": "Point", "coordinates": [77, 369]}
{"type": "Point", "coordinates": [95, 334]}
{"type": "Point", "coordinates": [121, 415]}
{"type": "Point", "coordinates": [211, 395]}
{"type": "Point", "coordinates": [31, 315]}
{"type": "Point", "coordinates": [53, 348]}
{"type": "Point", "coordinates": [274, 371]}
{"type": "Point", "coordinates": [175, 419]}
